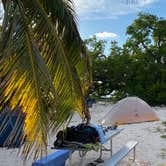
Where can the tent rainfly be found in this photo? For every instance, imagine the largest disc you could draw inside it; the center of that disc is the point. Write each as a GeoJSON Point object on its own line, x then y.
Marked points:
{"type": "Point", "coordinates": [129, 110]}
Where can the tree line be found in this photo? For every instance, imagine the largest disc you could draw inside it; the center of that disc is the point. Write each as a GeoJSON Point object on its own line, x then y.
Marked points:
{"type": "Point", "coordinates": [138, 68]}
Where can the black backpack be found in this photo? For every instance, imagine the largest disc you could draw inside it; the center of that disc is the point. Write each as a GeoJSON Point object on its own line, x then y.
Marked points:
{"type": "Point", "coordinates": [81, 134]}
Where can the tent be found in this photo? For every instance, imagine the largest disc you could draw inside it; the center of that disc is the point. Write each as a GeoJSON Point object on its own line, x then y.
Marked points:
{"type": "Point", "coordinates": [129, 110]}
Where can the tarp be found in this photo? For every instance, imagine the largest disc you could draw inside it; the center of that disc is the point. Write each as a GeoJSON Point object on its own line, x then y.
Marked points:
{"type": "Point", "coordinates": [129, 110]}
{"type": "Point", "coordinates": [11, 128]}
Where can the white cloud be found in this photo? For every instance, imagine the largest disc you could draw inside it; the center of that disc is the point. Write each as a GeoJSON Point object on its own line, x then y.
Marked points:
{"type": "Point", "coordinates": [106, 35]}
{"type": "Point", "coordinates": [142, 3]}
{"type": "Point", "coordinates": [99, 9]}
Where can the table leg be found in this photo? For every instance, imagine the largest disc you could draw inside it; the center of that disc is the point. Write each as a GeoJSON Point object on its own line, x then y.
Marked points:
{"type": "Point", "coordinates": [99, 159]}
{"type": "Point", "coordinates": [111, 147]}
{"type": "Point", "coordinates": [134, 154]}
{"type": "Point", "coordinates": [101, 152]}
{"type": "Point", "coordinates": [82, 161]}
{"type": "Point", "coordinates": [82, 156]}
{"type": "Point", "coordinates": [70, 158]}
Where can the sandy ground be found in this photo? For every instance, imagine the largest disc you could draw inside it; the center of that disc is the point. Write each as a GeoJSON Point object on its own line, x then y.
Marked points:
{"type": "Point", "coordinates": [151, 150]}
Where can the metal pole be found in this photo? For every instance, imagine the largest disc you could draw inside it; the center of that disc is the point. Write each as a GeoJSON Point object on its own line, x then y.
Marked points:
{"type": "Point", "coordinates": [100, 152]}
{"type": "Point", "coordinates": [70, 158]}
{"type": "Point", "coordinates": [111, 147]}
{"type": "Point", "coordinates": [82, 161]}
{"type": "Point", "coordinates": [82, 155]}
{"type": "Point", "coordinates": [134, 153]}
{"type": "Point", "coordinates": [99, 159]}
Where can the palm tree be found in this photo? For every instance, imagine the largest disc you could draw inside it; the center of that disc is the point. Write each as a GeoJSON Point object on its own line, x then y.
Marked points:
{"type": "Point", "coordinates": [44, 67]}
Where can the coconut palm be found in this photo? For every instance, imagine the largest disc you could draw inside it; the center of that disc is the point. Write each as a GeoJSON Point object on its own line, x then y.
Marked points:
{"type": "Point", "coordinates": [44, 67]}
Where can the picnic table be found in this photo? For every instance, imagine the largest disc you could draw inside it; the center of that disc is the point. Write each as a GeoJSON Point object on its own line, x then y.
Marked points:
{"type": "Point", "coordinates": [114, 159]}
{"type": "Point", "coordinates": [108, 137]}
{"type": "Point", "coordinates": [59, 157]}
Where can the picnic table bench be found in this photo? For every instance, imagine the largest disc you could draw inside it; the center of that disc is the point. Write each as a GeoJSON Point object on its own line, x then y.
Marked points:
{"type": "Point", "coordinates": [58, 158]}
{"type": "Point", "coordinates": [117, 157]}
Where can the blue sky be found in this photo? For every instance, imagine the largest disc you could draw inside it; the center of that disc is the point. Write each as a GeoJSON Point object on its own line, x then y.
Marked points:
{"type": "Point", "coordinates": [108, 19]}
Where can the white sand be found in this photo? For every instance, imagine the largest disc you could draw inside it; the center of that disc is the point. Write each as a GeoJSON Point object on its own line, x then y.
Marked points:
{"type": "Point", "coordinates": [151, 150]}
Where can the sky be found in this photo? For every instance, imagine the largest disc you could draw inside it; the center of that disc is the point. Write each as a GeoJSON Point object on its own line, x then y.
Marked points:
{"type": "Point", "coordinates": [108, 19]}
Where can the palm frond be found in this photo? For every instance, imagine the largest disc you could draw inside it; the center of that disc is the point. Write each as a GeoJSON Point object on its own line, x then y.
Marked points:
{"type": "Point", "coordinates": [63, 15]}
{"type": "Point", "coordinates": [43, 66]}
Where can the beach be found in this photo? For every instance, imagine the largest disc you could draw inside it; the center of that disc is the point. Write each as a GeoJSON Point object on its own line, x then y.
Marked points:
{"type": "Point", "coordinates": [150, 151]}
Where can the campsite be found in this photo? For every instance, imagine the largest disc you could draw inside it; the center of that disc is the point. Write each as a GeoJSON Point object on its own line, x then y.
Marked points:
{"type": "Point", "coordinates": [82, 83]}
{"type": "Point", "coordinates": [151, 148]}
{"type": "Point", "coordinates": [149, 152]}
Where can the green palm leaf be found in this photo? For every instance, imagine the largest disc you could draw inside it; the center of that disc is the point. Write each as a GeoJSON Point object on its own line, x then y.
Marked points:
{"type": "Point", "coordinates": [43, 66]}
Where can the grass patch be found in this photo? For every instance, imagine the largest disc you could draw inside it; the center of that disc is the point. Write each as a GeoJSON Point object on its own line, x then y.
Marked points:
{"type": "Point", "coordinates": [158, 129]}
{"type": "Point", "coordinates": [163, 153]}
{"type": "Point", "coordinates": [163, 136]}
{"type": "Point", "coordinates": [164, 123]}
